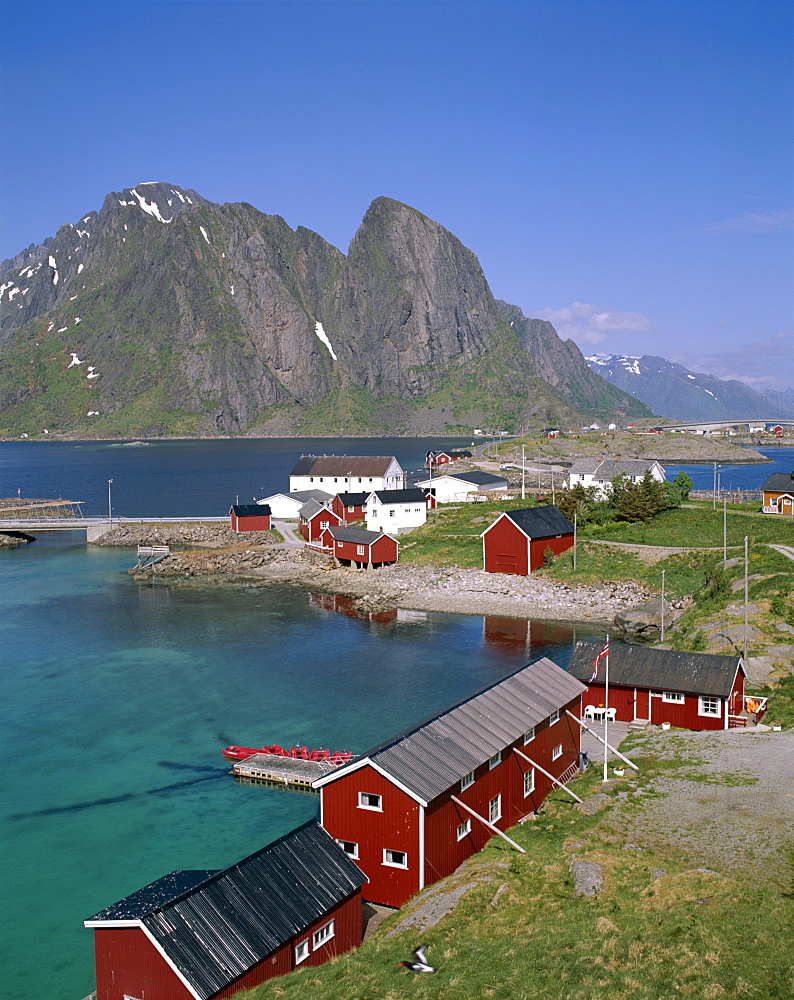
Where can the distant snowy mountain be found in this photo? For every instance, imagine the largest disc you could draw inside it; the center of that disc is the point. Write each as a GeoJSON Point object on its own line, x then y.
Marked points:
{"type": "Point", "coordinates": [673, 391]}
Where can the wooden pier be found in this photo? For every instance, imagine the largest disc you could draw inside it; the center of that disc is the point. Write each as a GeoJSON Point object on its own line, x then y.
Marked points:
{"type": "Point", "coordinates": [285, 773]}
{"type": "Point", "coordinates": [151, 555]}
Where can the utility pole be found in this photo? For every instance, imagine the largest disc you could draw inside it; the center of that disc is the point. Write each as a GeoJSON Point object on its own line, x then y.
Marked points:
{"type": "Point", "coordinates": [110, 506]}
{"type": "Point", "coordinates": [662, 637]}
{"type": "Point", "coordinates": [746, 571]}
{"type": "Point", "coordinates": [523, 472]}
{"type": "Point", "coordinates": [574, 541]}
{"type": "Point", "coordinates": [724, 533]}
{"type": "Point", "coordinates": [714, 489]}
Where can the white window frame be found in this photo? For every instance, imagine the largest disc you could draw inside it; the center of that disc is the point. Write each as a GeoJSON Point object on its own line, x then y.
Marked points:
{"type": "Point", "coordinates": [705, 704]}
{"type": "Point", "coordinates": [554, 717]}
{"type": "Point", "coordinates": [366, 805]}
{"type": "Point", "coordinates": [464, 829]}
{"type": "Point", "coordinates": [495, 809]}
{"type": "Point", "coordinates": [353, 844]}
{"type": "Point", "coordinates": [390, 863]}
{"type": "Point", "coordinates": [529, 735]}
{"type": "Point", "coordinates": [556, 753]}
{"type": "Point", "coordinates": [300, 954]}
{"type": "Point", "coordinates": [323, 934]}
{"type": "Point", "coordinates": [495, 761]}
{"type": "Point", "coordinates": [466, 780]}
{"type": "Point", "coordinates": [674, 697]}
{"type": "Point", "coordinates": [359, 550]}
{"type": "Point", "coordinates": [529, 782]}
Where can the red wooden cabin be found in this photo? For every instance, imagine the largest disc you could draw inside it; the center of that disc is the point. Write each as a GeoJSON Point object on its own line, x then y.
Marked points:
{"type": "Point", "coordinates": [350, 506]}
{"type": "Point", "coordinates": [360, 548]}
{"type": "Point", "coordinates": [314, 518]}
{"type": "Point", "coordinates": [778, 494]}
{"type": "Point", "coordinates": [393, 809]}
{"type": "Point", "coordinates": [517, 540]}
{"type": "Point", "coordinates": [688, 690]}
{"type": "Point", "coordinates": [205, 935]}
{"type": "Point", "coordinates": [250, 517]}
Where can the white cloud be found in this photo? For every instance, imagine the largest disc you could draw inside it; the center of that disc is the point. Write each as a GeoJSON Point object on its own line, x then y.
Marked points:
{"type": "Point", "coordinates": [588, 324]}
{"type": "Point", "coordinates": [756, 222]}
{"type": "Point", "coordinates": [761, 364]}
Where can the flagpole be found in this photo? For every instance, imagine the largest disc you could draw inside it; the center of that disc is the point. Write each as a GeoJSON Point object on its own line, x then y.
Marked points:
{"type": "Point", "coordinates": [606, 709]}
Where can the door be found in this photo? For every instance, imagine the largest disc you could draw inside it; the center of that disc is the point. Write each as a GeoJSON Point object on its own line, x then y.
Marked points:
{"type": "Point", "coordinates": [642, 705]}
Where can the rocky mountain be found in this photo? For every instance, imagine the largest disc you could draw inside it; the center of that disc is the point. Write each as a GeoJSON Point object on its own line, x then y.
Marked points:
{"type": "Point", "coordinates": [673, 391]}
{"type": "Point", "coordinates": [164, 313]}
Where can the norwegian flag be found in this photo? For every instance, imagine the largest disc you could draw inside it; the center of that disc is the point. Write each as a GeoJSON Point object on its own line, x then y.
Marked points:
{"type": "Point", "coordinates": [597, 661]}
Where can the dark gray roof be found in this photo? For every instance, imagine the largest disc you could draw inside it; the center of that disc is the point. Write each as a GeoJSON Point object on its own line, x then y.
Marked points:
{"type": "Point", "coordinates": [310, 508]}
{"type": "Point", "coordinates": [541, 522]}
{"type": "Point", "coordinates": [480, 479]}
{"type": "Point", "coordinates": [660, 669]}
{"type": "Point", "coordinates": [353, 499]}
{"type": "Point", "coordinates": [414, 495]}
{"type": "Point", "coordinates": [343, 465]}
{"type": "Point", "coordinates": [305, 495]}
{"type": "Point", "coordinates": [432, 756]}
{"type": "Point", "coordinates": [215, 931]}
{"type": "Point", "coordinates": [358, 535]}
{"type": "Point", "coordinates": [606, 469]}
{"type": "Point", "coordinates": [155, 895]}
{"type": "Point", "coordinates": [250, 509]}
{"type": "Point", "coordinates": [780, 481]}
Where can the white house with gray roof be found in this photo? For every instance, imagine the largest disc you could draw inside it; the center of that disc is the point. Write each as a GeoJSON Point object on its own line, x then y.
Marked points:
{"type": "Point", "coordinates": [600, 472]}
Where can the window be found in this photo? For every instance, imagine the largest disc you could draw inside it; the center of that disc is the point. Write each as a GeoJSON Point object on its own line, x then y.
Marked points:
{"type": "Point", "coordinates": [464, 829]}
{"type": "Point", "coordinates": [368, 801]}
{"type": "Point", "coordinates": [554, 717]}
{"type": "Point", "coordinates": [529, 781]}
{"type": "Point", "coordinates": [496, 759]}
{"type": "Point", "coordinates": [323, 525]}
{"type": "Point", "coordinates": [339, 545]}
{"type": "Point", "coordinates": [395, 859]}
{"type": "Point", "coordinates": [466, 780]}
{"type": "Point", "coordinates": [359, 550]}
{"type": "Point", "coordinates": [708, 706]}
{"type": "Point", "coordinates": [349, 847]}
{"type": "Point", "coordinates": [323, 934]}
{"type": "Point", "coordinates": [673, 696]}
{"type": "Point", "coordinates": [556, 753]}
{"type": "Point", "coordinates": [392, 512]}
{"type": "Point", "coordinates": [529, 736]}
{"type": "Point", "coordinates": [495, 809]}
{"type": "Point", "coordinates": [301, 951]}
{"type": "Point", "coordinates": [350, 510]}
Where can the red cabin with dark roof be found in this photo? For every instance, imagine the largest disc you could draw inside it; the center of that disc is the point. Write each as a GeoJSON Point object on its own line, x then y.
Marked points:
{"type": "Point", "coordinates": [350, 507]}
{"type": "Point", "coordinates": [314, 518]}
{"type": "Point", "coordinates": [249, 517]}
{"type": "Point", "coordinates": [360, 548]}
{"type": "Point", "coordinates": [517, 541]}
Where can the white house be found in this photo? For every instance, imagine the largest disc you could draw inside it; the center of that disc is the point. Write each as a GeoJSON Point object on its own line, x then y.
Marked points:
{"type": "Point", "coordinates": [396, 511]}
{"type": "Point", "coordinates": [288, 505]}
{"type": "Point", "coordinates": [600, 472]}
{"type": "Point", "coordinates": [347, 473]}
{"type": "Point", "coordinates": [463, 486]}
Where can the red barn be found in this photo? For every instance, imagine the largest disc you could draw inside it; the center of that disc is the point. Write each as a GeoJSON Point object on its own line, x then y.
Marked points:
{"type": "Point", "coordinates": [415, 807]}
{"type": "Point", "coordinates": [688, 690]}
{"type": "Point", "coordinates": [517, 540]}
{"type": "Point", "coordinates": [314, 518]}
{"type": "Point", "coordinates": [250, 517]}
{"type": "Point", "coordinates": [350, 506]}
{"type": "Point", "coordinates": [360, 548]}
{"type": "Point", "coordinates": [205, 935]}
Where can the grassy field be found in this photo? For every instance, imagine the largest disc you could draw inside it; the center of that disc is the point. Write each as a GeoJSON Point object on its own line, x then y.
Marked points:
{"type": "Point", "coordinates": [697, 526]}
{"type": "Point", "coordinates": [522, 933]}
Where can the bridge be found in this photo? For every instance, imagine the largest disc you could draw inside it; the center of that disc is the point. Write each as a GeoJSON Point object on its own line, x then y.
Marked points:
{"type": "Point", "coordinates": [713, 425]}
{"type": "Point", "coordinates": [95, 527]}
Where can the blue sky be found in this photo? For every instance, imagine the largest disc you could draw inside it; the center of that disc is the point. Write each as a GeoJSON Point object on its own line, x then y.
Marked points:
{"type": "Point", "coordinates": [623, 168]}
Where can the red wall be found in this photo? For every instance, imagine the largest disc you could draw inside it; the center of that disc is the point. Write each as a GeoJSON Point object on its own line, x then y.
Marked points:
{"type": "Point", "coordinates": [395, 828]}
{"type": "Point", "coordinates": [506, 548]}
{"type": "Point", "coordinates": [346, 516]}
{"type": "Point", "coordinates": [538, 548]}
{"type": "Point", "coordinates": [311, 530]}
{"type": "Point", "coordinates": [383, 550]}
{"type": "Point", "coordinates": [259, 523]}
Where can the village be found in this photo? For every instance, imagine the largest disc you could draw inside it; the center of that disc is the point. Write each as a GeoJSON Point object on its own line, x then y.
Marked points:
{"type": "Point", "coordinates": [411, 811]}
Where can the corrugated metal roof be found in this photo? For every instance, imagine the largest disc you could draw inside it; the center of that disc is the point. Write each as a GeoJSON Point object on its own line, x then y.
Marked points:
{"type": "Point", "coordinates": [538, 522]}
{"type": "Point", "coordinates": [217, 930]}
{"type": "Point", "coordinates": [659, 669]}
{"type": "Point", "coordinates": [156, 894]}
{"type": "Point", "coordinates": [343, 465]}
{"type": "Point", "coordinates": [432, 756]}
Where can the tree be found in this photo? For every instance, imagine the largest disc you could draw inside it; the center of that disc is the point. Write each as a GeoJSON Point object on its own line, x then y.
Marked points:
{"type": "Point", "coordinates": [684, 483]}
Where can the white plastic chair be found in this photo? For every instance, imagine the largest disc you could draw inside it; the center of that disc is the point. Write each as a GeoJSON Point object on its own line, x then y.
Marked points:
{"type": "Point", "coordinates": [611, 714]}
{"type": "Point", "coordinates": [589, 711]}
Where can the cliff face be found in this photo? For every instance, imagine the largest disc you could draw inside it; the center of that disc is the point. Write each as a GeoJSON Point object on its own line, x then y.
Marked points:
{"type": "Point", "coordinates": [164, 313]}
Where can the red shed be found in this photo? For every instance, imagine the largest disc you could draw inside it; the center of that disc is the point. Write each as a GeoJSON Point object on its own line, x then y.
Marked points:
{"type": "Point", "coordinates": [314, 519]}
{"type": "Point", "coordinates": [688, 690]}
{"type": "Point", "coordinates": [415, 807]}
{"type": "Point", "coordinates": [250, 517]}
{"type": "Point", "coordinates": [360, 548]}
{"type": "Point", "coordinates": [205, 935]}
{"type": "Point", "coordinates": [517, 540]}
{"type": "Point", "coordinates": [350, 506]}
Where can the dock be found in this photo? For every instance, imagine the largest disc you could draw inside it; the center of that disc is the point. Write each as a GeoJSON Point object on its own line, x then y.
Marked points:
{"type": "Point", "coordinates": [285, 773]}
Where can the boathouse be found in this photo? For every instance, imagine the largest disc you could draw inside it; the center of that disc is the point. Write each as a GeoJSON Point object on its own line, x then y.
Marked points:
{"type": "Point", "coordinates": [778, 493]}
{"type": "Point", "coordinates": [201, 935]}
{"type": "Point", "coordinates": [688, 690]}
{"type": "Point", "coordinates": [413, 808]}
{"type": "Point", "coordinates": [314, 518]}
{"type": "Point", "coordinates": [517, 540]}
{"type": "Point", "coordinates": [359, 548]}
{"type": "Point", "coordinates": [249, 517]}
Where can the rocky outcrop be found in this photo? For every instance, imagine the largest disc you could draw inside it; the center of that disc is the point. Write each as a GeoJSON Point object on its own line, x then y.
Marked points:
{"type": "Point", "coordinates": [644, 624]}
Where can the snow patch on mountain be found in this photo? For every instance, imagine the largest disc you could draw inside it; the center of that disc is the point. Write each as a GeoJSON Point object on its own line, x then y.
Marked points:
{"type": "Point", "coordinates": [150, 207]}
{"type": "Point", "coordinates": [318, 329]}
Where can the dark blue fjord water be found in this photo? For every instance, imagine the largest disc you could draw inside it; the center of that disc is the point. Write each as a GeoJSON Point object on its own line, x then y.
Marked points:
{"type": "Point", "coordinates": [117, 696]}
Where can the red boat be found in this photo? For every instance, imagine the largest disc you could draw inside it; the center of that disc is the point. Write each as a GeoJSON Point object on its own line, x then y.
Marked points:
{"type": "Point", "coordinates": [337, 758]}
